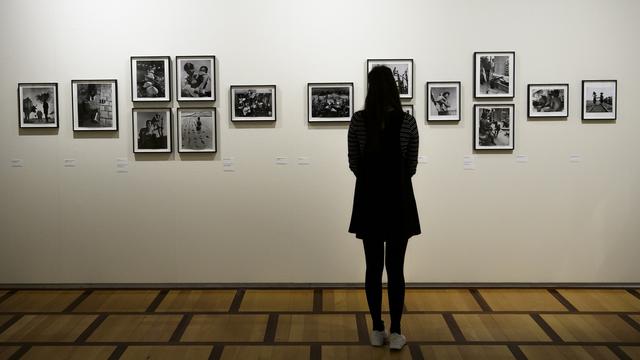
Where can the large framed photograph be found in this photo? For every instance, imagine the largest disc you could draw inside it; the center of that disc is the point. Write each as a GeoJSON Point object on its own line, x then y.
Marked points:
{"type": "Point", "coordinates": [253, 102]}
{"type": "Point", "coordinates": [599, 99]}
{"type": "Point", "coordinates": [402, 70]}
{"type": "Point", "coordinates": [196, 78]}
{"type": "Point", "coordinates": [94, 105]}
{"type": "Point", "coordinates": [151, 130]}
{"type": "Point", "coordinates": [197, 130]}
{"type": "Point", "coordinates": [150, 78]}
{"type": "Point", "coordinates": [443, 99]}
{"type": "Point", "coordinates": [408, 108]}
{"type": "Point", "coordinates": [494, 74]}
{"type": "Point", "coordinates": [548, 100]}
{"type": "Point", "coordinates": [493, 127]}
{"type": "Point", "coordinates": [329, 102]}
{"type": "Point", "coordinates": [38, 105]}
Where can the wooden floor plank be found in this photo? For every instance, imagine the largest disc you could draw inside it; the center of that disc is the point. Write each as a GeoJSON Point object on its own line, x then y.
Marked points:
{"type": "Point", "coordinates": [349, 300]}
{"type": "Point", "coordinates": [277, 300]}
{"type": "Point", "coordinates": [263, 352]}
{"type": "Point", "coordinates": [54, 328]}
{"type": "Point", "coordinates": [117, 301]}
{"type": "Point", "coordinates": [4, 319]}
{"type": "Point", "coordinates": [197, 301]}
{"type": "Point", "coordinates": [133, 328]}
{"type": "Point", "coordinates": [7, 351]}
{"type": "Point", "coordinates": [466, 352]}
{"type": "Point", "coordinates": [636, 318]}
{"type": "Point", "coordinates": [617, 300]}
{"type": "Point", "coordinates": [349, 352]}
{"type": "Point", "coordinates": [592, 328]}
{"type": "Point", "coordinates": [226, 328]}
{"type": "Point", "coordinates": [420, 327]}
{"type": "Point", "coordinates": [440, 300]}
{"type": "Point", "coordinates": [545, 352]}
{"type": "Point", "coordinates": [69, 353]}
{"type": "Point", "coordinates": [632, 351]}
{"type": "Point", "coordinates": [2, 292]}
{"type": "Point", "coordinates": [317, 327]}
{"type": "Point", "coordinates": [500, 327]}
{"type": "Point", "coordinates": [166, 352]}
{"type": "Point", "coordinates": [521, 300]}
{"type": "Point", "coordinates": [39, 300]}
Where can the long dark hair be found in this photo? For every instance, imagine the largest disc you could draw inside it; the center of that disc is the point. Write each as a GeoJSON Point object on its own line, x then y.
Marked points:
{"type": "Point", "coordinates": [382, 99]}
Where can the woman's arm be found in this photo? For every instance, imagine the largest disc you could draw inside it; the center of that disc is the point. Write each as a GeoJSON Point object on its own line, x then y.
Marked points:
{"type": "Point", "coordinates": [412, 145]}
{"type": "Point", "coordinates": [355, 129]}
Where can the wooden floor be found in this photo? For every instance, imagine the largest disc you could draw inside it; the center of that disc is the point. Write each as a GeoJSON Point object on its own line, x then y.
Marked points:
{"type": "Point", "coordinates": [317, 324]}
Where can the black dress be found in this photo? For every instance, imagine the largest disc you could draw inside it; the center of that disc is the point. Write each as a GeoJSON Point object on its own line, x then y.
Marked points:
{"type": "Point", "coordinates": [384, 205]}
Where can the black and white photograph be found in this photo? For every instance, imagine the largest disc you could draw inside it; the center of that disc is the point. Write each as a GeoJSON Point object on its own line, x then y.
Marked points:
{"type": "Point", "coordinates": [548, 100]}
{"type": "Point", "coordinates": [494, 74]}
{"type": "Point", "coordinates": [151, 130]}
{"type": "Point", "coordinates": [150, 78]}
{"type": "Point", "coordinates": [599, 99]}
{"type": "Point", "coordinates": [253, 102]}
{"type": "Point", "coordinates": [38, 105]}
{"type": "Point", "coordinates": [329, 102]}
{"type": "Point", "coordinates": [408, 108]}
{"type": "Point", "coordinates": [197, 130]}
{"type": "Point", "coordinates": [95, 105]}
{"type": "Point", "coordinates": [493, 127]}
{"type": "Point", "coordinates": [196, 78]}
{"type": "Point", "coordinates": [402, 70]}
{"type": "Point", "coordinates": [443, 99]}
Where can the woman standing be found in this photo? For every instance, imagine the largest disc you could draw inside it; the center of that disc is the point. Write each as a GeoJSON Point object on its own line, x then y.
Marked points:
{"type": "Point", "coordinates": [383, 154]}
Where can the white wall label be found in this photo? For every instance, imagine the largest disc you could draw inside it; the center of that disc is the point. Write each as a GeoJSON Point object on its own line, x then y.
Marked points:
{"type": "Point", "coordinates": [423, 159]}
{"type": "Point", "coordinates": [70, 163]}
{"type": "Point", "coordinates": [575, 158]}
{"type": "Point", "coordinates": [469, 162]}
{"type": "Point", "coordinates": [522, 158]}
{"type": "Point", "coordinates": [304, 160]}
{"type": "Point", "coordinates": [282, 160]}
{"type": "Point", "coordinates": [122, 165]}
{"type": "Point", "coordinates": [16, 163]}
{"type": "Point", "coordinates": [228, 164]}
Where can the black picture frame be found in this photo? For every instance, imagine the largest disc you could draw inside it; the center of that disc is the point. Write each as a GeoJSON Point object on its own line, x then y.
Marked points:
{"type": "Point", "coordinates": [532, 112]}
{"type": "Point", "coordinates": [166, 83]}
{"type": "Point", "coordinates": [232, 108]}
{"type": "Point", "coordinates": [135, 132]}
{"type": "Point", "coordinates": [430, 100]}
{"type": "Point", "coordinates": [410, 77]}
{"type": "Point", "coordinates": [102, 106]}
{"type": "Point", "coordinates": [212, 73]}
{"type": "Point", "coordinates": [408, 108]}
{"type": "Point", "coordinates": [23, 117]}
{"type": "Point", "coordinates": [477, 92]}
{"type": "Point", "coordinates": [213, 136]}
{"type": "Point", "coordinates": [595, 115]}
{"type": "Point", "coordinates": [322, 119]}
{"type": "Point", "coordinates": [476, 128]}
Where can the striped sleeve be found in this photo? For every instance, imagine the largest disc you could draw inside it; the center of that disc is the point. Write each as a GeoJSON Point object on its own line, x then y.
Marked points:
{"type": "Point", "coordinates": [409, 141]}
{"type": "Point", "coordinates": [356, 137]}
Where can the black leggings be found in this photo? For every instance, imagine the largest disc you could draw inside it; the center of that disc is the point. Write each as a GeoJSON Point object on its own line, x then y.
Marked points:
{"type": "Point", "coordinates": [374, 252]}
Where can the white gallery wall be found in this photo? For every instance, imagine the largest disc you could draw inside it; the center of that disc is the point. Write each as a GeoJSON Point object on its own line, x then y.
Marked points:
{"type": "Point", "coordinates": [178, 218]}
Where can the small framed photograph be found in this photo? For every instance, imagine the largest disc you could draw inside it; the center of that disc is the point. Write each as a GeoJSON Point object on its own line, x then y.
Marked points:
{"type": "Point", "coordinates": [494, 74]}
{"type": "Point", "coordinates": [151, 130]}
{"type": "Point", "coordinates": [408, 108]}
{"type": "Point", "coordinates": [548, 100]}
{"type": "Point", "coordinates": [197, 130]}
{"type": "Point", "coordinates": [94, 105]}
{"type": "Point", "coordinates": [253, 102]}
{"type": "Point", "coordinates": [599, 99]}
{"type": "Point", "coordinates": [196, 78]}
{"type": "Point", "coordinates": [38, 105]}
{"type": "Point", "coordinates": [443, 98]}
{"type": "Point", "coordinates": [402, 70]}
{"type": "Point", "coordinates": [493, 127]}
{"type": "Point", "coordinates": [329, 102]}
{"type": "Point", "coordinates": [150, 78]}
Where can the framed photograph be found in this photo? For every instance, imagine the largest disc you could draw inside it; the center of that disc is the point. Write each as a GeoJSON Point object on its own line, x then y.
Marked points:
{"type": "Point", "coordinates": [196, 78]}
{"type": "Point", "coordinates": [151, 130]}
{"type": "Point", "coordinates": [253, 102]}
{"type": "Point", "coordinates": [493, 127]}
{"type": "Point", "coordinates": [402, 70]}
{"type": "Point", "coordinates": [599, 99]}
{"type": "Point", "coordinates": [38, 105]}
{"type": "Point", "coordinates": [548, 100]}
{"type": "Point", "coordinates": [408, 108]}
{"type": "Point", "coordinates": [94, 105]}
{"type": "Point", "coordinates": [443, 99]}
{"type": "Point", "coordinates": [197, 130]}
{"type": "Point", "coordinates": [494, 74]}
{"type": "Point", "coordinates": [329, 102]}
{"type": "Point", "coordinates": [150, 78]}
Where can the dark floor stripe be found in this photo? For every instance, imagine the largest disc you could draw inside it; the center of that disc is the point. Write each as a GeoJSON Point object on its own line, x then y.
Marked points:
{"type": "Point", "coordinates": [77, 301]}
{"type": "Point", "coordinates": [237, 301]}
{"type": "Point", "coordinates": [453, 327]}
{"type": "Point", "coordinates": [630, 321]}
{"type": "Point", "coordinates": [181, 328]}
{"type": "Point", "coordinates": [563, 300]}
{"type": "Point", "coordinates": [117, 353]}
{"type": "Point", "coordinates": [317, 300]}
{"type": "Point", "coordinates": [363, 330]}
{"type": "Point", "coordinates": [157, 301]}
{"type": "Point", "coordinates": [634, 293]}
{"type": "Point", "coordinates": [619, 352]}
{"type": "Point", "coordinates": [216, 352]}
{"type": "Point", "coordinates": [21, 351]}
{"type": "Point", "coordinates": [517, 352]}
{"type": "Point", "coordinates": [89, 330]}
{"type": "Point", "coordinates": [546, 328]}
{"type": "Point", "coordinates": [480, 300]}
{"type": "Point", "coordinates": [7, 295]}
{"type": "Point", "coordinates": [315, 352]}
{"type": "Point", "coordinates": [416, 354]}
{"type": "Point", "coordinates": [9, 323]}
{"type": "Point", "coordinates": [270, 332]}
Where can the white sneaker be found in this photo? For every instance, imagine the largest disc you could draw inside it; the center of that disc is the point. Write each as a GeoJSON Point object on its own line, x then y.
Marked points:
{"type": "Point", "coordinates": [378, 338]}
{"type": "Point", "coordinates": [397, 341]}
